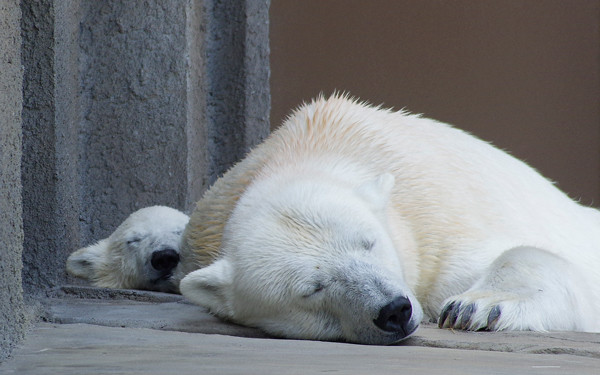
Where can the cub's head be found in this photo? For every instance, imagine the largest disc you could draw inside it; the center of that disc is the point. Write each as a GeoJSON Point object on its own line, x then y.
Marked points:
{"type": "Point", "coordinates": [142, 253]}
{"type": "Point", "coordinates": [311, 261]}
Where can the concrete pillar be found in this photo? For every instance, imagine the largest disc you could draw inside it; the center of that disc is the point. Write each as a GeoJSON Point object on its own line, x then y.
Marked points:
{"type": "Point", "coordinates": [237, 75]}
{"type": "Point", "coordinates": [51, 117]}
{"type": "Point", "coordinates": [12, 317]}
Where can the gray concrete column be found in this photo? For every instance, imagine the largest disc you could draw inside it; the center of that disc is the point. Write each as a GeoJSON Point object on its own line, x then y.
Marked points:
{"type": "Point", "coordinates": [12, 317]}
{"type": "Point", "coordinates": [51, 117]}
{"type": "Point", "coordinates": [238, 71]}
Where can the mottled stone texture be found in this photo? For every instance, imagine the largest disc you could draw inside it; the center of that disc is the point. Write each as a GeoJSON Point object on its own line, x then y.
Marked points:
{"type": "Point", "coordinates": [12, 318]}
{"type": "Point", "coordinates": [125, 104]}
{"type": "Point", "coordinates": [237, 71]}
{"type": "Point", "coordinates": [51, 113]}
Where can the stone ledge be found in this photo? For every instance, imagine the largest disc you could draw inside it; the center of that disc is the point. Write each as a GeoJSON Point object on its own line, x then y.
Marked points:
{"type": "Point", "coordinates": [89, 292]}
{"type": "Point", "coordinates": [170, 312]}
{"type": "Point", "coordinates": [82, 349]}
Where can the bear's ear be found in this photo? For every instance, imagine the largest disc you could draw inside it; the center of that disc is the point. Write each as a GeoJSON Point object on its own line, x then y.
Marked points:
{"type": "Point", "coordinates": [377, 191]}
{"type": "Point", "coordinates": [85, 262]}
{"type": "Point", "coordinates": [210, 287]}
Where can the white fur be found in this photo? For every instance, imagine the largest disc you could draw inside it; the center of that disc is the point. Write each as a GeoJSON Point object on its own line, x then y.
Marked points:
{"type": "Point", "coordinates": [464, 222]}
{"type": "Point", "coordinates": [123, 260]}
{"type": "Point", "coordinates": [319, 262]}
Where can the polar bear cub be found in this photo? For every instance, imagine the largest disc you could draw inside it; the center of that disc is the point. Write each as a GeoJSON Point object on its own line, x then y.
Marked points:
{"type": "Point", "coordinates": [142, 253]}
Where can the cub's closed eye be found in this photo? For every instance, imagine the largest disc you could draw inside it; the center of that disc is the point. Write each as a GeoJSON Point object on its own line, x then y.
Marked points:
{"type": "Point", "coordinates": [133, 240]}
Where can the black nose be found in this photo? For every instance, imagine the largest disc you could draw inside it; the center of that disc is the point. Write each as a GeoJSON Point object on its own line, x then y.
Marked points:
{"type": "Point", "coordinates": [164, 260]}
{"type": "Point", "coordinates": [394, 316]}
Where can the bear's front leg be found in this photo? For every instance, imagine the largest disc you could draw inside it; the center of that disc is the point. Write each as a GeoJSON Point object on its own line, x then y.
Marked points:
{"type": "Point", "coordinates": [525, 288]}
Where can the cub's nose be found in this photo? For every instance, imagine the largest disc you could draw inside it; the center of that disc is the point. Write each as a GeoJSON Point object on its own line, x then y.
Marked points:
{"type": "Point", "coordinates": [164, 260]}
{"type": "Point", "coordinates": [394, 316]}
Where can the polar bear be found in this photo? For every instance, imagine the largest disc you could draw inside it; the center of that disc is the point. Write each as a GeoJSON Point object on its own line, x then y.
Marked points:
{"type": "Point", "coordinates": [140, 254]}
{"type": "Point", "coordinates": [355, 223]}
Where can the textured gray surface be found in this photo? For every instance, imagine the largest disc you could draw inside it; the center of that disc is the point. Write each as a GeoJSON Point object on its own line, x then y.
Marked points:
{"type": "Point", "coordinates": [51, 112]}
{"type": "Point", "coordinates": [12, 318]}
{"type": "Point", "coordinates": [236, 75]}
{"type": "Point", "coordinates": [88, 349]}
{"type": "Point", "coordinates": [131, 332]}
{"type": "Point", "coordinates": [137, 309]}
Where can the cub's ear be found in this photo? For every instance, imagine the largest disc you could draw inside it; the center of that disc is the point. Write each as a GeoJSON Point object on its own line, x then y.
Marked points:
{"type": "Point", "coordinates": [377, 191]}
{"type": "Point", "coordinates": [85, 262]}
{"type": "Point", "coordinates": [210, 287]}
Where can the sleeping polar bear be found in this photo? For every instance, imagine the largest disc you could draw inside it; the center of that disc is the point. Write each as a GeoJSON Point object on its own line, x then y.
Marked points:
{"type": "Point", "coordinates": [142, 253]}
{"type": "Point", "coordinates": [355, 223]}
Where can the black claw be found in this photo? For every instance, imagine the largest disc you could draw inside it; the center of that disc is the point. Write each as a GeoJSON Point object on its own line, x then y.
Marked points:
{"type": "Point", "coordinates": [454, 314]}
{"type": "Point", "coordinates": [445, 311]}
{"type": "Point", "coordinates": [465, 317]}
{"type": "Point", "coordinates": [493, 317]}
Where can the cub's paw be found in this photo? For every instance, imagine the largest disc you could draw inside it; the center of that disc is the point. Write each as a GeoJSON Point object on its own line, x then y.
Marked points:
{"type": "Point", "coordinates": [470, 315]}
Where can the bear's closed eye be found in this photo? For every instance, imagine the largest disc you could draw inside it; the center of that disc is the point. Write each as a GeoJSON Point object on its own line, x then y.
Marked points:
{"type": "Point", "coordinates": [367, 244]}
{"type": "Point", "coordinates": [315, 289]}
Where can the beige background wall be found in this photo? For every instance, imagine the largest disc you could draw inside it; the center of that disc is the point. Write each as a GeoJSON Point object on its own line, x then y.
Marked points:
{"type": "Point", "coordinates": [523, 74]}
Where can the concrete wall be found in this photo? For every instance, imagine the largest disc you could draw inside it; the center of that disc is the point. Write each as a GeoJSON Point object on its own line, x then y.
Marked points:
{"type": "Point", "coordinates": [125, 105]}
{"type": "Point", "coordinates": [50, 128]}
{"type": "Point", "coordinates": [12, 321]}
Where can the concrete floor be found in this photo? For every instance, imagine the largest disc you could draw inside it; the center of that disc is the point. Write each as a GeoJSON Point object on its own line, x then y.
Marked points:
{"type": "Point", "coordinates": [97, 331]}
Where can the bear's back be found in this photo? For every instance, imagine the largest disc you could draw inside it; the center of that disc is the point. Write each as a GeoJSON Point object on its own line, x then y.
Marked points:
{"type": "Point", "coordinates": [447, 181]}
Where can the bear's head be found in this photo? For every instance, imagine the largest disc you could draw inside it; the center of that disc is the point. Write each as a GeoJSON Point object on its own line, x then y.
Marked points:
{"type": "Point", "coordinates": [310, 259]}
{"type": "Point", "coordinates": [142, 253]}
